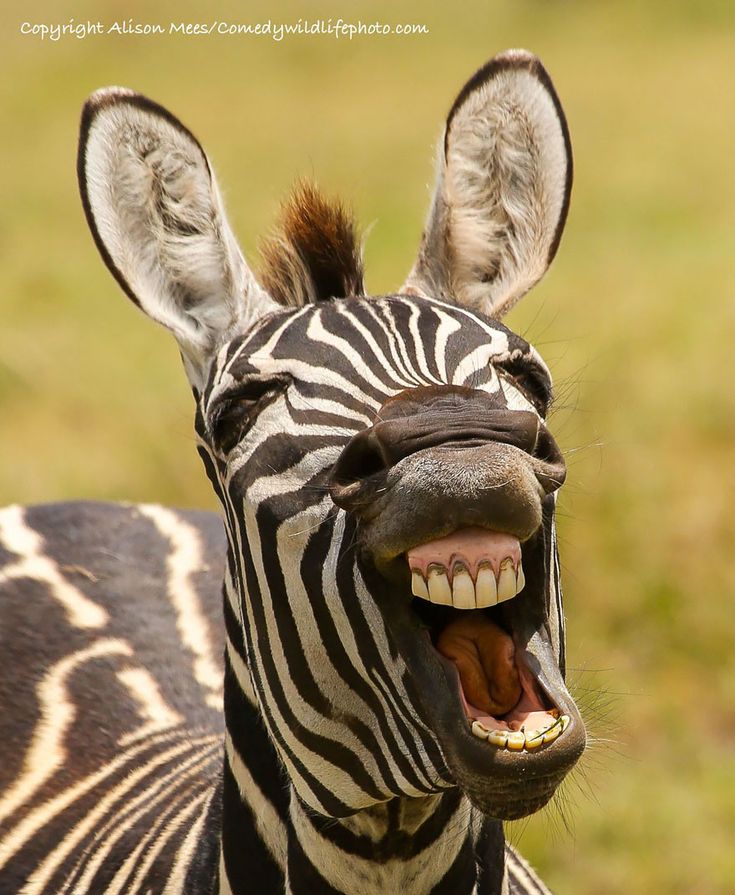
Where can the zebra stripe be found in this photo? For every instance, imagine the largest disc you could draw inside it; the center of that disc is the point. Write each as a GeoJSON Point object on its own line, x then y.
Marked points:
{"type": "Point", "coordinates": [18, 538]}
{"type": "Point", "coordinates": [128, 805]}
{"type": "Point", "coordinates": [522, 880]}
{"type": "Point", "coordinates": [185, 560]}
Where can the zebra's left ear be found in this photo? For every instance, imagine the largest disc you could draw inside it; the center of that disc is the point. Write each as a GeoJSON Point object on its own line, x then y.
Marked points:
{"type": "Point", "coordinates": [157, 218]}
{"type": "Point", "coordinates": [503, 187]}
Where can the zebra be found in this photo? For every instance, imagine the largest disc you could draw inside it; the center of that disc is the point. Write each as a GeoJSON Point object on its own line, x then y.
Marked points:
{"type": "Point", "coordinates": [387, 583]}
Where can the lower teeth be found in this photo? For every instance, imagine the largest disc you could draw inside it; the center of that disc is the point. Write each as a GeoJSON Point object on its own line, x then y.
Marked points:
{"type": "Point", "coordinates": [520, 740]}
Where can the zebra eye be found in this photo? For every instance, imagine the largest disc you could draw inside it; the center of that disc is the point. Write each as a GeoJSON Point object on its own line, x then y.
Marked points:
{"type": "Point", "coordinates": [532, 380]}
{"type": "Point", "coordinates": [236, 411]}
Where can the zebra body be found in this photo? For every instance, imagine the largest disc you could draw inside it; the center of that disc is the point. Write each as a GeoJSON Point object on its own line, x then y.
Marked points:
{"type": "Point", "coordinates": [348, 439]}
{"type": "Point", "coordinates": [114, 781]}
{"type": "Point", "coordinates": [117, 744]}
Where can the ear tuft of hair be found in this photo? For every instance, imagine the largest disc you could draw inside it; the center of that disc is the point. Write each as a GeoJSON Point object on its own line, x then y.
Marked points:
{"type": "Point", "coordinates": [314, 253]}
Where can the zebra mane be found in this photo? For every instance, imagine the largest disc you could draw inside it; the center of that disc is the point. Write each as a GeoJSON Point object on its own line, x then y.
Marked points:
{"type": "Point", "coordinates": [314, 254]}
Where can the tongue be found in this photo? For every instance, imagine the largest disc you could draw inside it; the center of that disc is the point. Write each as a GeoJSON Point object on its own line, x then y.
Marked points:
{"type": "Point", "coordinates": [496, 688]}
{"type": "Point", "coordinates": [484, 656]}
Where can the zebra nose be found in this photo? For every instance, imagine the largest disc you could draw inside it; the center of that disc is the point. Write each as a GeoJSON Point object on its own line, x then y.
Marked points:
{"type": "Point", "coordinates": [378, 448]}
{"type": "Point", "coordinates": [364, 456]}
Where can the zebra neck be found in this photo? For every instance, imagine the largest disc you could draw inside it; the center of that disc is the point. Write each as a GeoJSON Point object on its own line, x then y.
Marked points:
{"type": "Point", "coordinates": [255, 798]}
{"type": "Point", "coordinates": [271, 843]}
{"type": "Point", "coordinates": [408, 845]}
{"type": "Point", "coordinates": [435, 844]}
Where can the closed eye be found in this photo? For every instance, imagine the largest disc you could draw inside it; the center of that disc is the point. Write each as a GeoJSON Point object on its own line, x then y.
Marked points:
{"type": "Point", "coordinates": [531, 379]}
{"type": "Point", "coordinates": [237, 410]}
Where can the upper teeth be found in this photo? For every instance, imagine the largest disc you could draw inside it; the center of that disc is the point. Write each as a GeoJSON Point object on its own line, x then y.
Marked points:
{"type": "Point", "coordinates": [465, 593]}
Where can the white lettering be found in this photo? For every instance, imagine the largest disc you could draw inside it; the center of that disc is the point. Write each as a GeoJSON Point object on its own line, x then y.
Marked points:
{"type": "Point", "coordinates": [190, 28]}
{"type": "Point", "coordinates": [132, 27]}
{"type": "Point", "coordinates": [277, 31]}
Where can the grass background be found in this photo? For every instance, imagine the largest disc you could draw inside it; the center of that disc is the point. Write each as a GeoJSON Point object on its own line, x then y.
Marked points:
{"type": "Point", "coordinates": [636, 318]}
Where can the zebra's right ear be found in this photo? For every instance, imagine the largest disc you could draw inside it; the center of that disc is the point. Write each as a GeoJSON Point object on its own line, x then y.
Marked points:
{"type": "Point", "coordinates": [157, 218]}
{"type": "Point", "coordinates": [503, 186]}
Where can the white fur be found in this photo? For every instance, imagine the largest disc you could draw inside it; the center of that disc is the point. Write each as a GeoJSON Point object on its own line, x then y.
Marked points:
{"type": "Point", "coordinates": [148, 183]}
{"type": "Point", "coordinates": [499, 196]}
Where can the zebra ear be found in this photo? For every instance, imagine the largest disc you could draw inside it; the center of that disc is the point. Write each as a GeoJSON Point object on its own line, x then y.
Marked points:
{"type": "Point", "coordinates": [503, 186]}
{"type": "Point", "coordinates": [156, 215]}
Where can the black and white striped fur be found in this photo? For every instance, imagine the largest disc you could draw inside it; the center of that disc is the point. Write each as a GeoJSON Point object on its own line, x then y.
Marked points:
{"type": "Point", "coordinates": [112, 758]}
{"type": "Point", "coordinates": [334, 779]}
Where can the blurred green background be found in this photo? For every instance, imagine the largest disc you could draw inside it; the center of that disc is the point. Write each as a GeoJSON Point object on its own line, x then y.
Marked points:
{"type": "Point", "coordinates": [636, 318]}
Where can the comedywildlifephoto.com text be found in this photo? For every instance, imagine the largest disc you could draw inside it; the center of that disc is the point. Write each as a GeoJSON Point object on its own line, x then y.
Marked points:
{"type": "Point", "coordinates": [338, 29]}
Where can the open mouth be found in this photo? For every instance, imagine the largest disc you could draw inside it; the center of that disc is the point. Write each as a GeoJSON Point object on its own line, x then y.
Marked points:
{"type": "Point", "coordinates": [463, 586]}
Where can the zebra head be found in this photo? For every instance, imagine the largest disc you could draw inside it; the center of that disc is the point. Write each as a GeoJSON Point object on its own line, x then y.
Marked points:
{"type": "Point", "coordinates": [387, 477]}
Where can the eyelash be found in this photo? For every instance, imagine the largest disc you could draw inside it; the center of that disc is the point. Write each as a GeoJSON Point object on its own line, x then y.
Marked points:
{"type": "Point", "coordinates": [236, 412]}
{"type": "Point", "coordinates": [540, 401]}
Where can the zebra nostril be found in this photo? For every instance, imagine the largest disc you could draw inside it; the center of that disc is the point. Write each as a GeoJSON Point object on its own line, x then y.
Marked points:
{"type": "Point", "coordinates": [552, 470]}
{"type": "Point", "coordinates": [363, 457]}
